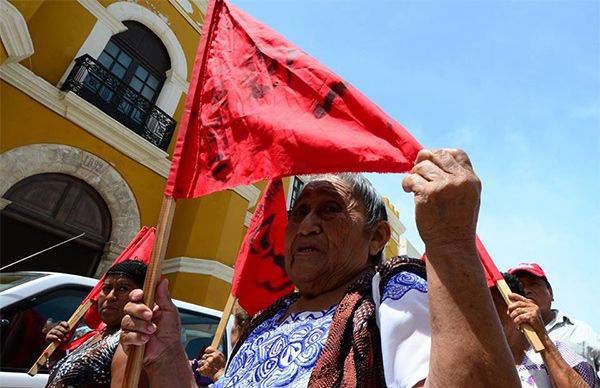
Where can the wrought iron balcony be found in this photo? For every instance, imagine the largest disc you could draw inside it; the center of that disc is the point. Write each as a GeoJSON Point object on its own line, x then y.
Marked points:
{"type": "Point", "coordinates": [94, 83]}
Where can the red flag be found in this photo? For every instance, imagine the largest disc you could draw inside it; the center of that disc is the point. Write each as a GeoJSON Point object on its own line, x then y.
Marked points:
{"type": "Point", "coordinates": [260, 278]}
{"type": "Point", "coordinates": [140, 249]}
{"type": "Point", "coordinates": [260, 108]}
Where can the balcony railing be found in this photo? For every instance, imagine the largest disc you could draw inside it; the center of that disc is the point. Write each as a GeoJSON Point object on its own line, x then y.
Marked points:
{"type": "Point", "coordinates": [95, 84]}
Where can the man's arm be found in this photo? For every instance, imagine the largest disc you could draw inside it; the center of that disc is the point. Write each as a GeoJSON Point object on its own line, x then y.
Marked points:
{"type": "Point", "coordinates": [525, 311]}
{"type": "Point", "coordinates": [468, 347]}
{"type": "Point", "coordinates": [165, 361]}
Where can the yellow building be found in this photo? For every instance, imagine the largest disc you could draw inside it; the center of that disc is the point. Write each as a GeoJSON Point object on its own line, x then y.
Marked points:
{"type": "Point", "coordinates": [91, 93]}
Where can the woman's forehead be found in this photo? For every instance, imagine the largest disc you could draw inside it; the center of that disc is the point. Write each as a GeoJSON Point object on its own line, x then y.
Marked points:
{"type": "Point", "coordinates": [118, 279]}
{"type": "Point", "coordinates": [329, 185]}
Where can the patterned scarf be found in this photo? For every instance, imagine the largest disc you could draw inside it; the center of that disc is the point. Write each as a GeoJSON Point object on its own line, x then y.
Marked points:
{"type": "Point", "coordinates": [352, 353]}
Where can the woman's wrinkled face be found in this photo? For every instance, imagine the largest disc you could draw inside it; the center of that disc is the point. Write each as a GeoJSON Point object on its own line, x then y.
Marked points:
{"type": "Point", "coordinates": [114, 295]}
{"type": "Point", "coordinates": [327, 243]}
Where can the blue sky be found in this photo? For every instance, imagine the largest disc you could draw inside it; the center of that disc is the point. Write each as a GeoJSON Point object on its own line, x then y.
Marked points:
{"type": "Point", "coordinates": [514, 83]}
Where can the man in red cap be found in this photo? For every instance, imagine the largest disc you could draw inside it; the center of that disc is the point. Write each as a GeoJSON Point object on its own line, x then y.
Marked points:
{"type": "Point", "coordinates": [578, 335]}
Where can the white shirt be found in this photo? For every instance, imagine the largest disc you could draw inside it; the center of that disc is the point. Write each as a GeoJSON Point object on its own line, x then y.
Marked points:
{"type": "Point", "coordinates": [533, 373]}
{"type": "Point", "coordinates": [579, 336]}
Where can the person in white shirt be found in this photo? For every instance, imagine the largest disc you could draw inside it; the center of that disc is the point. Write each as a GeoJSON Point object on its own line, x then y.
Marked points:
{"type": "Point", "coordinates": [556, 366]}
{"type": "Point", "coordinates": [579, 336]}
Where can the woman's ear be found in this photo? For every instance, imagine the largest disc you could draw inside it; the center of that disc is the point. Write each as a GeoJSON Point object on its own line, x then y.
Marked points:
{"type": "Point", "coordinates": [380, 236]}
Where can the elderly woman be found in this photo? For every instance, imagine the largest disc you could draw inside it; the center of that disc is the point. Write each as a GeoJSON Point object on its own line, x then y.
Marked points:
{"type": "Point", "coordinates": [90, 364]}
{"type": "Point", "coordinates": [349, 324]}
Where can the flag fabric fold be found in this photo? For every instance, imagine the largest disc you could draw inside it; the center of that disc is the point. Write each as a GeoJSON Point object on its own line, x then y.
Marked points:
{"type": "Point", "coordinates": [260, 108]}
{"type": "Point", "coordinates": [140, 248]}
{"type": "Point", "coordinates": [259, 276]}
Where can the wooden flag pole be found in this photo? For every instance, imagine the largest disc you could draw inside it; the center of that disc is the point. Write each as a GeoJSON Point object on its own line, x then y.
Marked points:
{"type": "Point", "coordinates": [530, 334]}
{"type": "Point", "coordinates": [163, 229]}
{"type": "Point", "coordinates": [43, 358]}
{"type": "Point", "coordinates": [223, 322]}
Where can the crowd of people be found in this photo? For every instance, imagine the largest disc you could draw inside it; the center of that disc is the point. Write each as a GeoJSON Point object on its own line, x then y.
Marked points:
{"type": "Point", "coordinates": [358, 319]}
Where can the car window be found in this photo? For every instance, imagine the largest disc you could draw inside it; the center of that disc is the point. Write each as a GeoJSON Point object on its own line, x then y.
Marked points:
{"type": "Point", "coordinates": [197, 332]}
{"type": "Point", "coordinates": [24, 324]}
{"type": "Point", "coordinates": [10, 280]}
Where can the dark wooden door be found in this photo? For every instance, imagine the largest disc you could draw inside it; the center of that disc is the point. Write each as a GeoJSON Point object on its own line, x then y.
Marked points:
{"type": "Point", "coordinates": [46, 209]}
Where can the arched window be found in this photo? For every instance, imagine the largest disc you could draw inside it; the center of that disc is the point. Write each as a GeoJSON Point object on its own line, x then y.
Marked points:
{"type": "Point", "coordinates": [125, 81]}
{"type": "Point", "coordinates": [138, 58]}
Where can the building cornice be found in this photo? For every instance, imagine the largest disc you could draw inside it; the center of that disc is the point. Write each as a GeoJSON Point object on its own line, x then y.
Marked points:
{"type": "Point", "coordinates": [88, 117]}
{"type": "Point", "coordinates": [249, 192]}
{"type": "Point", "coordinates": [198, 266]}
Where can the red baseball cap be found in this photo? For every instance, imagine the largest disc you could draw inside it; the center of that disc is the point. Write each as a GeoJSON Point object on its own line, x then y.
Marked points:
{"type": "Point", "coordinates": [531, 268]}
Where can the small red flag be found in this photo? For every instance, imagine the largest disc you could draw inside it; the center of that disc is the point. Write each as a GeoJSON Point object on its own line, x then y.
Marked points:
{"type": "Point", "coordinates": [140, 248]}
{"type": "Point", "coordinates": [259, 277]}
{"type": "Point", "coordinates": [260, 108]}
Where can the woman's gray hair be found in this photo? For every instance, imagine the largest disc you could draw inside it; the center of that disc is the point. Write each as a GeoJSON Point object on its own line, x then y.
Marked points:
{"type": "Point", "coordinates": [363, 190]}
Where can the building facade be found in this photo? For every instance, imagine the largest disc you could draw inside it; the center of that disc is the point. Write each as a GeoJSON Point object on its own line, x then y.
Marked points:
{"type": "Point", "coordinates": [91, 94]}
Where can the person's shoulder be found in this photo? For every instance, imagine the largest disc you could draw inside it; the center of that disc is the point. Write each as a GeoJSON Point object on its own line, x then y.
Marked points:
{"type": "Point", "coordinates": [578, 325]}
{"type": "Point", "coordinates": [401, 275]}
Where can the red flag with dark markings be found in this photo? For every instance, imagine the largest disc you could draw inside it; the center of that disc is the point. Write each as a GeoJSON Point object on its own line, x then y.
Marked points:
{"type": "Point", "coordinates": [259, 276]}
{"type": "Point", "coordinates": [260, 108]}
{"type": "Point", "coordinates": [140, 248]}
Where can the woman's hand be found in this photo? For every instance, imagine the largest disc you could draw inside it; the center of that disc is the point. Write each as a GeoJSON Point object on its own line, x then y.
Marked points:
{"type": "Point", "coordinates": [59, 333]}
{"type": "Point", "coordinates": [447, 192]}
{"type": "Point", "coordinates": [212, 363]}
{"type": "Point", "coordinates": [524, 311]}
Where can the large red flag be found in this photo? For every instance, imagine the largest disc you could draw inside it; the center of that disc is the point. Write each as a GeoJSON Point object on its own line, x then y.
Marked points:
{"type": "Point", "coordinates": [260, 278]}
{"type": "Point", "coordinates": [140, 249]}
{"type": "Point", "coordinates": [260, 108]}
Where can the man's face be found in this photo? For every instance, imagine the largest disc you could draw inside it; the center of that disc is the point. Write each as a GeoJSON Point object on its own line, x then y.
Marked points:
{"type": "Point", "coordinates": [326, 241]}
{"type": "Point", "coordinates": [537, 290]}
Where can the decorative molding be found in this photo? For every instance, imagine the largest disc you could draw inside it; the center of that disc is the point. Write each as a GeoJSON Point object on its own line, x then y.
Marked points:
{"type": "Point", "coordinates": [36, 87]}
{"type": "Point", "coordinates": [201, 4]}
{"type": "Point", "coordinates": [4, 203]}
{"type": "Point", "coordinates": [178, 81]}
{"type": "Point", "coordinates": [88, 117]}
{"type": "Point", "coordinates": [131, 11]}
{"type": "Point", "coordinates": [22, 162]}
{"type": "Point", "coordinates": [247, 219]}
{"type": "Point", "coordinates": [112, 132]}
{"type": "Point", "coordinates": [249, 192]}
{"type": "Point", "coordinates": [14, 33]}
{"type": "Point", "coordinates": [186, 15]}
{"type": "Point", "coordinates": [175, 84]}
{"type": "Point", "coordinates": [96, 9]}
{"type": "Point", "coordinates": [393, 220]}
{"type": "Point", "coordinates": [198, 266]}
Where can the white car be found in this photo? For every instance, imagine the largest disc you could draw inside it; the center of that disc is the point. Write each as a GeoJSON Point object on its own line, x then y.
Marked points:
{"type": "Point", "coordinates": [28, 300]}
